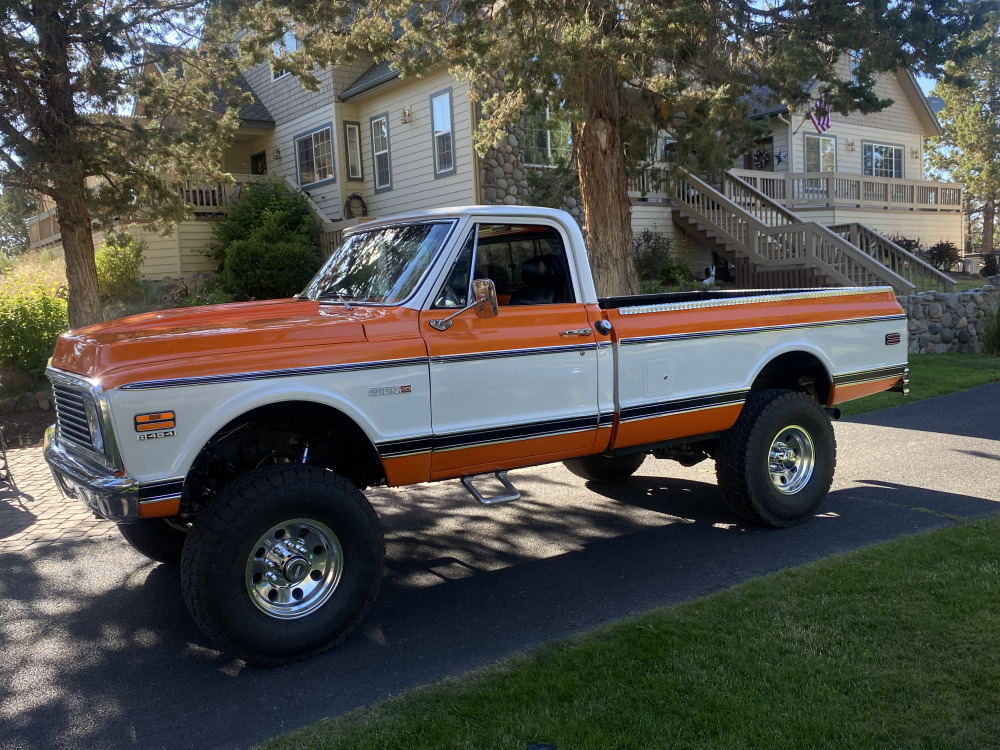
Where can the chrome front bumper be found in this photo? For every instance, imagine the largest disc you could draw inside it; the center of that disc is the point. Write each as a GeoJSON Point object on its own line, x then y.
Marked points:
{"type": "Point", "coordinates": [113, 497]}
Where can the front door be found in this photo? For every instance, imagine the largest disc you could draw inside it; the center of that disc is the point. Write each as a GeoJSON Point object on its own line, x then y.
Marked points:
{"type": "Point", "coordinates": [520, 388]}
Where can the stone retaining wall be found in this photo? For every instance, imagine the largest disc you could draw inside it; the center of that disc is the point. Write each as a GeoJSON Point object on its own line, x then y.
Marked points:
{"type": "Point", "coordinates": [939, 322]}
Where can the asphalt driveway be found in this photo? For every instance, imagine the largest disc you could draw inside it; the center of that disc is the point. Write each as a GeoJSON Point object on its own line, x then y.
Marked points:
{"type": "Point", "coordinates": [97, 650]}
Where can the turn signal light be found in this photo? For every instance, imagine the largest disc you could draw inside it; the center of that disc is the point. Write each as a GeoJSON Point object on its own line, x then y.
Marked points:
{"type": "Point", "coordinates": [161, 420]}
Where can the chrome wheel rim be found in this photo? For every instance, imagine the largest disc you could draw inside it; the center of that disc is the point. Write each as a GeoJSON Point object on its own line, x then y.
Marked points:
{"type": "Point", "coordinates": [294, 568]}
{"type": "Point", "coordinates": [791, 460]}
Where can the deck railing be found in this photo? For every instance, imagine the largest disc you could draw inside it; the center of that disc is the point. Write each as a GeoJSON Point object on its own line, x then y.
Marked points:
{"type": "Point", "coordinates": [775, 239]}
{"type": "Point", "coordinates": [842, 190]}
{"type": "Point", "coordinates": [914, 269]}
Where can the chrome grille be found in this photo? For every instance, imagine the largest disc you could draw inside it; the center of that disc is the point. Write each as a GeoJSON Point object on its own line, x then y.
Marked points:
{"type": "Point", "coordinates": [71, 416]}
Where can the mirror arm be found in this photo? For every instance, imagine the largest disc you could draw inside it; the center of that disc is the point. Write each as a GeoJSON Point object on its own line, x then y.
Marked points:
{"type": "Point", "coordinates": [445, 323]}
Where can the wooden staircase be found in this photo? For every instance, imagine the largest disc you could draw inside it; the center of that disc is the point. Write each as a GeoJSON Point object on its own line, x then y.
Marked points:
{"type": "Point", "coordinates": [769, 247]}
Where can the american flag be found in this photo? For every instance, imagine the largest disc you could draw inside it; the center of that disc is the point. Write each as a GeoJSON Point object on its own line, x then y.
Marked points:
{"type": "Point", "coordinates": [820, 114]}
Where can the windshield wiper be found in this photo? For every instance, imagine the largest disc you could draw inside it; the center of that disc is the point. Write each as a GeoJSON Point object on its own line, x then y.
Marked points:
{"type": "Point", "coordinates": [340, 296]}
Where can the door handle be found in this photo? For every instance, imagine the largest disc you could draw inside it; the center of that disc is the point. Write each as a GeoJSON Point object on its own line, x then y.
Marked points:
{"type": "Point", "coordinates": [578, 332]}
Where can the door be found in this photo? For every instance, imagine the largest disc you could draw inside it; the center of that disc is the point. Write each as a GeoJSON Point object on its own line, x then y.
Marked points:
{"type": "Point", "coordinates": [521, 388]}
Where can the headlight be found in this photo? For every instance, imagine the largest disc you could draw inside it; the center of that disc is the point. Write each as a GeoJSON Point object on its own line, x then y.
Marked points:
{"type": "Point", "coordinates": [94, 423]}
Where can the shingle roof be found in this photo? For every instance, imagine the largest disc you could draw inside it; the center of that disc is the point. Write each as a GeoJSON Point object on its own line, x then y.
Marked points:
{"type": "Point", "coordinates": [375, 76]}
{"type": "Point", "coordinates": [253, 111]}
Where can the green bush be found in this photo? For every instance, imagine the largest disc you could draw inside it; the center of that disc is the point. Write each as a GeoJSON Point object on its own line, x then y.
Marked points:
{"type": "Point", "coordinates": [31, 319]}
{"type": "Point", "coordinates": [287, 212]}
{"type": "Point", "coordinates": [119, 264]}
{"type": "Point", "coordinates": [990, 265]}
{"type": "Point", "coordinates": [262, 268]}
{"type": "Point", "coordinates": [990, 337]}
{"type": "Point", "coordinates": [655, 260]}
{"type": "Point", "coordinates": [944, 256]}
{"type": "Point", "coordinates": [269, 244]}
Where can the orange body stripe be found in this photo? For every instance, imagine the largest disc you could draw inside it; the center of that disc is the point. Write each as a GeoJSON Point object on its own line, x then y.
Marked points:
{"type": "Point", "coordinates": [841, 393]}
{"type": "Point", "coordinates": [673, 426]}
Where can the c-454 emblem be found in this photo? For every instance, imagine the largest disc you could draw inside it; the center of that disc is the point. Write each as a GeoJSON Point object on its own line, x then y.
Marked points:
{"type": "Point", "coordinates": [390, 390]}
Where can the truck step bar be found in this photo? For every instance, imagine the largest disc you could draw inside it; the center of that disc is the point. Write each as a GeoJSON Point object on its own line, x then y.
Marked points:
{"type": "Point", "coordinates": [501, 476]}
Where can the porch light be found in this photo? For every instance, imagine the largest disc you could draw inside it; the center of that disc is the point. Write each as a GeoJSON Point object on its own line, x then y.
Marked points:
{"type": "Point", "coordinates": [275, 153]}
{"type": "Point", "coordinates": [850, 145]}
{"type": "Point", "coordinates": [405, 116]}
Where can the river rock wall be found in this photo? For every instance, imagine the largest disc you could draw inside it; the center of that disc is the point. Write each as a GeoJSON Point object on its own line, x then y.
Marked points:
{"type": "Point", "coordinates": [948, 322]}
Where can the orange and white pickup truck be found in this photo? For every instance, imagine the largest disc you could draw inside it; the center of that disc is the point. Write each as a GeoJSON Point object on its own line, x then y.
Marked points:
{"type": "Point", "coordinates": [235, 439]}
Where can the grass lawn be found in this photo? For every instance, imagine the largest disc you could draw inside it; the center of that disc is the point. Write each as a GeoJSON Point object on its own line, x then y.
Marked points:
{"type": "Point", "coordinates": [932, 375]}
{"type": "Point", "coordinates": [897, 646]}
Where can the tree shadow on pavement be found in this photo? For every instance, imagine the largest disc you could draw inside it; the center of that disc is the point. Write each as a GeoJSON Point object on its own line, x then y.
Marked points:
{"type": "Point", "coordinates": [97, 649]}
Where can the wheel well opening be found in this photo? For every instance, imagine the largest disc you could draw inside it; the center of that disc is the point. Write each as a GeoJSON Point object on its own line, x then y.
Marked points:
{"type": "Point", "coordinates": [289, 431]}
{"type": "Point", "coordinates": [796, 371]}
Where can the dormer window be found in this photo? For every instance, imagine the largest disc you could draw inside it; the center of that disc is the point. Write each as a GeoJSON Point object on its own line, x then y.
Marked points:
{"type": "Point", "coordinates": [287, 44]}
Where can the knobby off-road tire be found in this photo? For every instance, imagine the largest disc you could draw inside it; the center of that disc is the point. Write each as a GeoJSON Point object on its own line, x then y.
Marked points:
{"type": "Point", "coordinates": [605, 468]}
{"type": "Point", "coordinates": [283, 564]}
{"type": "Point", "coordinates": [159, 539]}
{"type": "Point", "coordinates": [775, 465]}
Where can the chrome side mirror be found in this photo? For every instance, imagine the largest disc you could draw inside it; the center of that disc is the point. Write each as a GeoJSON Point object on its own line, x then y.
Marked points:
{"type": "Point", "coordinates": [484, 294]}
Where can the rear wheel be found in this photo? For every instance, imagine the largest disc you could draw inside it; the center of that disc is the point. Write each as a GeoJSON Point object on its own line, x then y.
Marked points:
{"type": "Point", "coordinates": [606, 468]}
{"type": "Point", "coordinates": [776, 464]}
{"type": "Point", "coordinates": [283, 564]}
{"type": "Point", "coordinates": [159, 539]}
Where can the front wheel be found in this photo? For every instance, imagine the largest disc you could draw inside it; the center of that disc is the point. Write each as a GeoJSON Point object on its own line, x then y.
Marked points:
{"type": "Point", "coordinates": [775, 466]}
{"type": "Point", "coordinates": [283, 564]}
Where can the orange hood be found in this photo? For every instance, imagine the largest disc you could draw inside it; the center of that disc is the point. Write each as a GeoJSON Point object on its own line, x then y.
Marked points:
{"type": "Point", "coordinates": [216, 339]}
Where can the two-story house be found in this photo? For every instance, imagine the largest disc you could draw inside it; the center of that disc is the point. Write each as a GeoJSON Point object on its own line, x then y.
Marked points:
{"type": "Point", "coordinates": [370, 143]}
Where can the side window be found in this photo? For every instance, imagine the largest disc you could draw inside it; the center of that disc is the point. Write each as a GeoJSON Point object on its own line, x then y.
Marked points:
{"type": "Point", "coordinates": [455, 292]}
{"type": "Point", "coordinates": [527, 263]}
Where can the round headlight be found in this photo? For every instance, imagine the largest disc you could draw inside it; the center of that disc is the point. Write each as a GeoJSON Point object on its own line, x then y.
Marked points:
{"type": "Point", "coordinates": [94, 423]}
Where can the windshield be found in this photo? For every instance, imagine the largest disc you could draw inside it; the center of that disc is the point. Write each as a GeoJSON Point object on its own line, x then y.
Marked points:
{"type": "Point", "coordinates": [382, 266]}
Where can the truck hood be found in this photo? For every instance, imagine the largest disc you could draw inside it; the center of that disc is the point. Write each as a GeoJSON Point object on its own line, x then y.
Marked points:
{"type": "Point", "coordinates": [219, 338]}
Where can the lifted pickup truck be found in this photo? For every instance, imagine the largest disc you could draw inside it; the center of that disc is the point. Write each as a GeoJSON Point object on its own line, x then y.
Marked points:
{"type": "Point", "coordinates": [452, 343]}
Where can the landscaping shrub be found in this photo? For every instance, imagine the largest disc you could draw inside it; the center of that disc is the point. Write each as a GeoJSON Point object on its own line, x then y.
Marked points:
{"type": "Point", "coordinates": [269, 244]}
{"type": "Point", "coordinates": [906, 243]}
{"type": "Point", "coordinates": [31, 318]}
{"type": "Point", "coordinates": [119, 260]}
{"type": "Point", "coordinates": [990, 337]}
{"type": "Point", "coordinates": [288, 213]}
{"type": "Point", "coordinates": [944, 256]}
{"type": "Point", "coordinates": [990, 265]}
{"type": "Point", "coordinates": [265, 268]}
{"type": "Point", "coordinates": [655, 260]}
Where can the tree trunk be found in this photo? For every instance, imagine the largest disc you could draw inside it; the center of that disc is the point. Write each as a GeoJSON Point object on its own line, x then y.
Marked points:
{"type": "Point", "coordinates": [604, 187]}
{"type": "Point", "coordinates": [989, 215]}
{"type": "Point", "coordinates": [78, 246]}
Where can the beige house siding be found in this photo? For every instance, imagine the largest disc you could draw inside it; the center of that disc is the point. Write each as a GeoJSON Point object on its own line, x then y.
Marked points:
{"type": "Point", "coordinates": [928, 227]}
{"type": "Point", "coordinates": [286, 98]}
{"type": "Point", "coordinates": [410, 146]}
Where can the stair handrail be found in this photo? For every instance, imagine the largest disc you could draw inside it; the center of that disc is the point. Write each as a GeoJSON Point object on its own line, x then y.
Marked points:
{"type": "Point", "coordinates": [921, 268]}
{"type": "Point", "coordinates": [879, 271]}
{"type": "Point", "coordinates": [773, 206]}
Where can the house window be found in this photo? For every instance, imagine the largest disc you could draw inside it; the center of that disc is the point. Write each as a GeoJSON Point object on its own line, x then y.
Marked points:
{"type": "Point", "coordinates": [380, 152]}
{"type": "Point", "coordinates": [854, 59]}
{"type": "Point", "coordinates": [883, 161]}
{"type": "Point", "coordinates": [314, 154]}
{"type": "Point", "coordinates": [287, 44]}
{"type": "Point", "coordinates": [444, 143]}
{"type": "Point", "coordinates": [821, 153]}
{"type": "Point", "coordinates": [352, 148]}
{"type": "Point", "coordinates": [548, 143]}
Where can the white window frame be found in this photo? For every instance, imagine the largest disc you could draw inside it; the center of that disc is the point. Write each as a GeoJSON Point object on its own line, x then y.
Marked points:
{"type": "Point", "coordinates": [352, 151]}
{"type": "Point", "coordinates": [819, 140]}
{"type": "Point", "coordinates": [330, 169]}
{"type": "Point", "coordinates": [381, 152]}
{"type": "Point", "coordinates": [865, 145]}
{"type": "Point", "coordinates": [287, 44]}
{"type": "Point", "coordinates": [440, 130]}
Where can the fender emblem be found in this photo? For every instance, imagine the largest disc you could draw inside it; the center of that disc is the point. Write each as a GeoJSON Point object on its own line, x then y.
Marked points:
{"type": "Point", "coordinates": [155, 435]}
{"type": "Point", "coordinates": [390, 390]}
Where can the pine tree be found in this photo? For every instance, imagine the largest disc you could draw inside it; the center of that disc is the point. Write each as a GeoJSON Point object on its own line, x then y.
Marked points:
{"type": "Point", "coordinates": [99, 103]}
{"type": "Point", "coordinates": [685, 66]}
{"type": "Point", "coordinates": [969, 149]}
